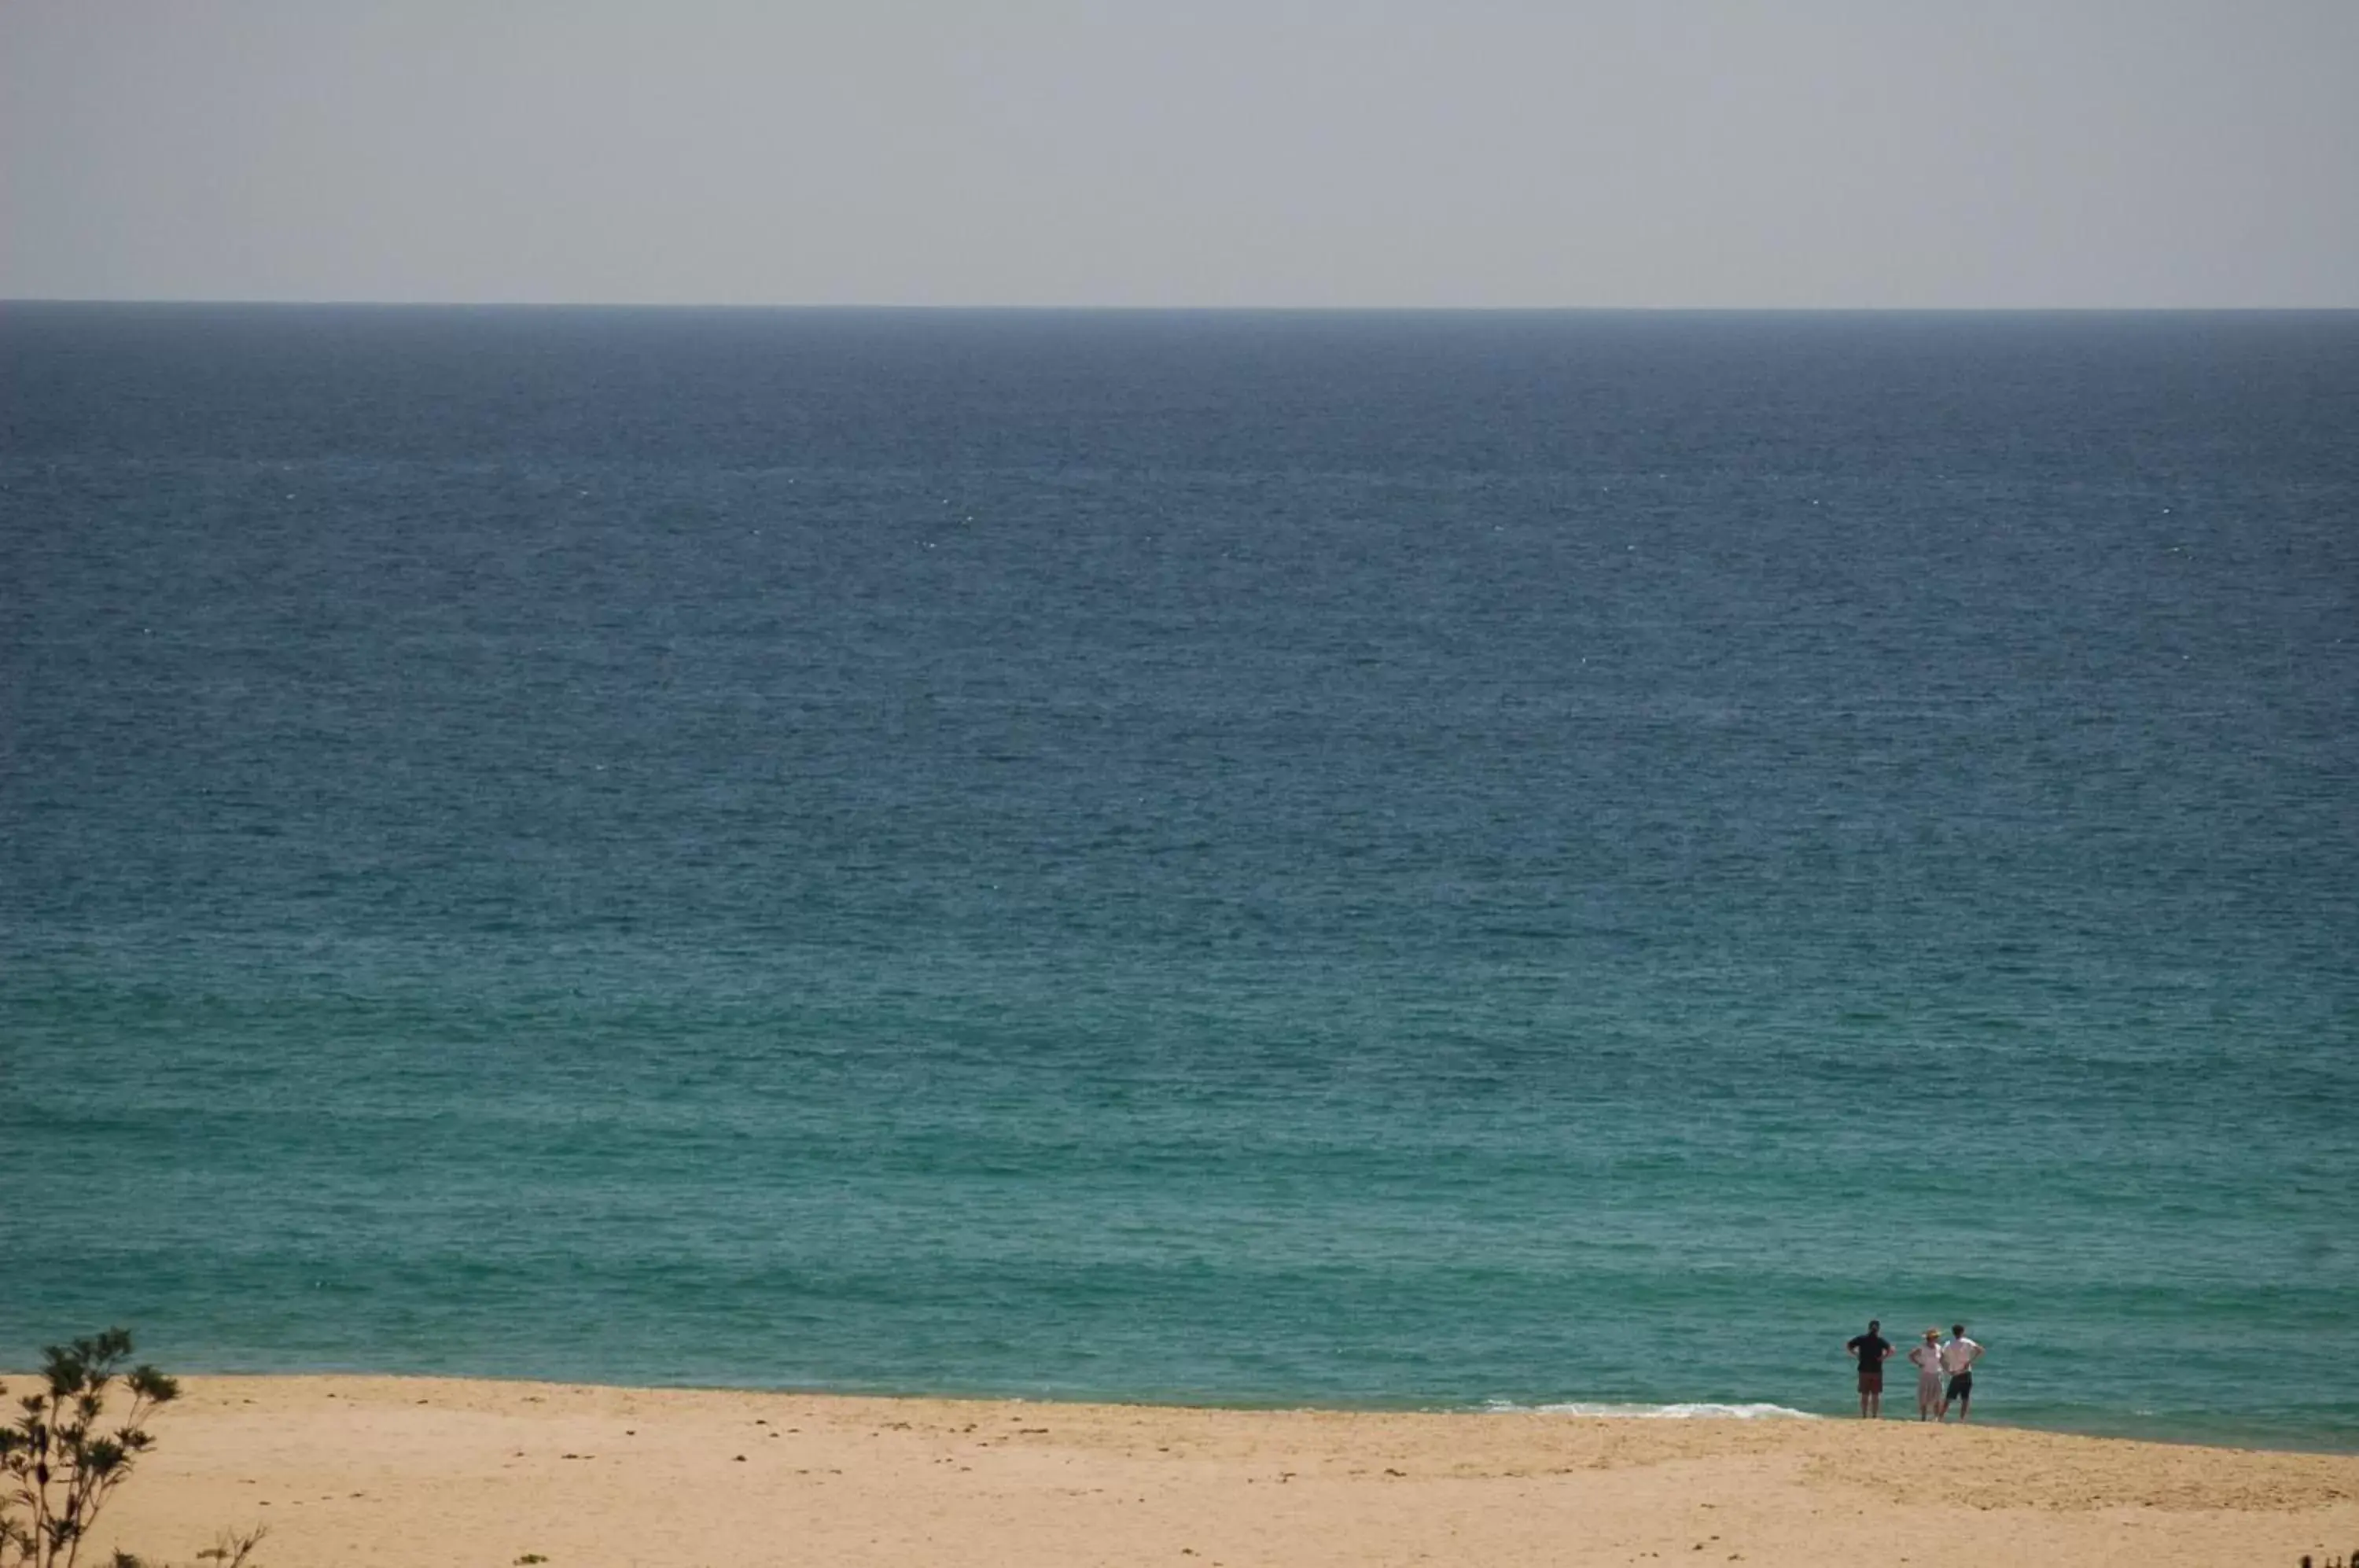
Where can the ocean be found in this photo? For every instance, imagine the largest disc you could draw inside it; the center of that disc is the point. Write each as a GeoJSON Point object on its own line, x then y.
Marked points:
{"type": "Point", "coordinates": [1445, 861]}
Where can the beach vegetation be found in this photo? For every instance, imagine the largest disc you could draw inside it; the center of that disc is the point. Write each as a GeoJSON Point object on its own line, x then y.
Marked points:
{"type": "Point", "coordinates": [60, 1461]}
{"type": "Point", "coordinates": [231, 1549]}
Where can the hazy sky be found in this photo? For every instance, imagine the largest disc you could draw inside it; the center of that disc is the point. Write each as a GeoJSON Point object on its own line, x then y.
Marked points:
{"type": "Point", "coordinates": [1188, 152]}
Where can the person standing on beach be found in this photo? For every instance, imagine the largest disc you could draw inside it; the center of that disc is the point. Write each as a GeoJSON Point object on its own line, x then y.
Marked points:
{"type": "Point", "coordinates": [1958, 1358]}
{"type": "Point", "coordinates": [1927, 1358]}
{"type": "Point", "coordinates": [1869, 1350]}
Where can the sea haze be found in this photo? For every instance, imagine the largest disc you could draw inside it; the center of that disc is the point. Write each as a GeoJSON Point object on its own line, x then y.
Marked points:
{"type": "Point", "coordinates": [1402, 860]}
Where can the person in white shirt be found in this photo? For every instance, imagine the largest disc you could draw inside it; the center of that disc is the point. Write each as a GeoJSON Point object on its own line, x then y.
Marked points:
{"type": "Point", "coordinates": [1927, 1359]}
{"type": "Point", "coordinates": [1958, 1358]}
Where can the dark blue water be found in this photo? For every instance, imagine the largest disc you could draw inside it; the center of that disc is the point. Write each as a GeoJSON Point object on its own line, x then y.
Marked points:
{"type": "Point", "coordinates": [1359, 860]}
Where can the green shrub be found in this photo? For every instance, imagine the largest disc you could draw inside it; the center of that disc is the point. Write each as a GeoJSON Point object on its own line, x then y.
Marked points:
{"type": "Point", "coordinates": [57, 1465]}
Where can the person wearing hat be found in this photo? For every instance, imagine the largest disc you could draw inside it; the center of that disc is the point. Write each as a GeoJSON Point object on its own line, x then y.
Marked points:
{"type": "Point", "coordinates": [1926, 1357]}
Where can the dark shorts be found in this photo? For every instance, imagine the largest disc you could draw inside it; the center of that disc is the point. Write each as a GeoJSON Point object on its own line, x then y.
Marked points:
{"type": "Point", "coordinates": [1962, 1385]}
{"type": "Point", "coordinates": [1871, 1379]}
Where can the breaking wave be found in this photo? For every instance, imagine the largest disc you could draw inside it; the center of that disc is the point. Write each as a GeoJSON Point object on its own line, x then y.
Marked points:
{"type": "Point", "coordinates": [1702, 1411]}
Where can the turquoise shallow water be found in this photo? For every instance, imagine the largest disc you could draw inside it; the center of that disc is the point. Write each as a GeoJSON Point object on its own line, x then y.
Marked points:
{"type": "Point", "coordinates": [1270, 859]}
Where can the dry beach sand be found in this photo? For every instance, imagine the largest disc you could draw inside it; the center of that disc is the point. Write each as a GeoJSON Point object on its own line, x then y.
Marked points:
{"type": "Point", "coordinates": [489, 1475]}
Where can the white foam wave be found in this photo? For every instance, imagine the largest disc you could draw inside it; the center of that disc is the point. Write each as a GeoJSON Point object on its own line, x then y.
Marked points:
{"type": "Point", "coordinates": [1701, 1412]}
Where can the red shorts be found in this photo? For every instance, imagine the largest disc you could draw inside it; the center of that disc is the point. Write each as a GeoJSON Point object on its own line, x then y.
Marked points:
{"type": "Point", "coordinates": [1871, 1379]}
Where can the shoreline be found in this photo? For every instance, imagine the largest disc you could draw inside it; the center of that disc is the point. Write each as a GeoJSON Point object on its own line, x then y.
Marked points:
{"type": "Point", "coordinates": [1735, 1410]}
{"type": "Point", "coordinates": [431, 1470]}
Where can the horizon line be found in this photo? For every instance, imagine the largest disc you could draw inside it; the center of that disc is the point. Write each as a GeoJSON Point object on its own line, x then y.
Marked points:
{"type": "Point", "coordinates": [883, 307]}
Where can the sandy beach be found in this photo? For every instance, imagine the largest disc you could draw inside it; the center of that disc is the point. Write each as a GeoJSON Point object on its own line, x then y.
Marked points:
{"type": "Point", "coordinates": [489, 1475]}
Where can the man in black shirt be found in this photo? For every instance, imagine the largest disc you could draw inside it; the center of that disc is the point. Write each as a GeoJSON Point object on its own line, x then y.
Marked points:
{"type": "Point", "coordinates": [1869, 1350]}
